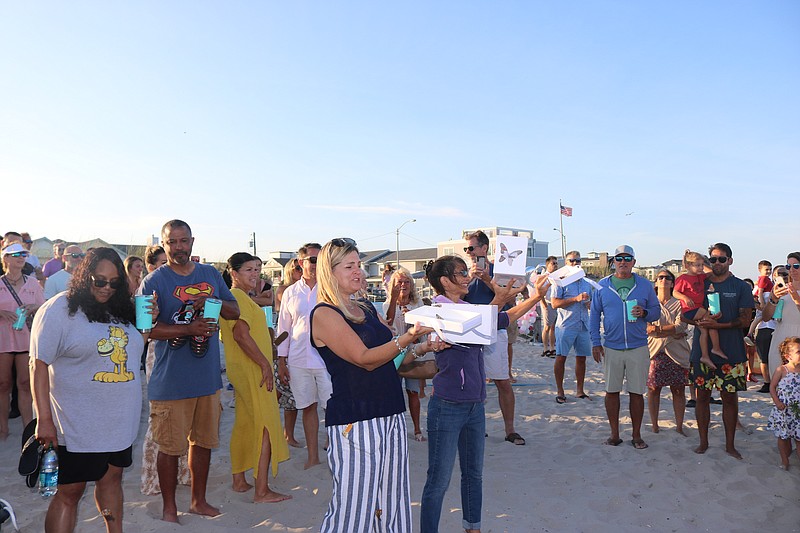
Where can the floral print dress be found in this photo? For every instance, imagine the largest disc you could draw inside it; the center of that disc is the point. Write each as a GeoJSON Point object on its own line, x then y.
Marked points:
{"type": "Point", "coordinates": [786, 424]}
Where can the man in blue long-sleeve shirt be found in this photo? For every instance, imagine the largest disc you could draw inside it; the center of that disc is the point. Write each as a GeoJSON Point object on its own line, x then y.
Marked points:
{"type": "Point", "coordinates": [624, 348]}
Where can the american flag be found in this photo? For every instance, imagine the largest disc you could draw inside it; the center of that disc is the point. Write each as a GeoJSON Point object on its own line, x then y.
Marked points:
{"type": "Point", "coordinates": [566, 211]}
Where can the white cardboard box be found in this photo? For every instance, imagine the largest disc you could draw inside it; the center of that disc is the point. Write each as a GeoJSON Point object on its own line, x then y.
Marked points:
{"type": "Point", "coordinates": [566, 275]}
{"type": "Point", "coordinates": [484, 332]}
{"type": "Point", "coordinates": [510, 259]}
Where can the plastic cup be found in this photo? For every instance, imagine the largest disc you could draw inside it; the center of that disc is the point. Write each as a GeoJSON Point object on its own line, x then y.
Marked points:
{"type": "Point", "coordinates": [144, 320]}
{"type": "Point", "coordinates": [713, 303]}
{"type": "Point", "coordinates": [778, 313]}
{"type": "Point", "coordinates": [211, 308]}
{"type": "Point", "coordinates": [629, 305]}
{"type": "Point", "coordinates": [268, 313]}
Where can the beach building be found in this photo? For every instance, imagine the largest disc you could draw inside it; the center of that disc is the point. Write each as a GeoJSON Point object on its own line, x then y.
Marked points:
{"type": "Point", "coordinates": [535, 254]}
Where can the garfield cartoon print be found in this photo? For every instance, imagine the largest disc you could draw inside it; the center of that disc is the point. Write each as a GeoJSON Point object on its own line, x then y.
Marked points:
{"type": "Point", "coordinates": [113, 347]}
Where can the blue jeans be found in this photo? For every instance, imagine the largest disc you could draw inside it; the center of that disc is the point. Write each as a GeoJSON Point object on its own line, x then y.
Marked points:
{"type": "Point", "coordinates": [454, 427]}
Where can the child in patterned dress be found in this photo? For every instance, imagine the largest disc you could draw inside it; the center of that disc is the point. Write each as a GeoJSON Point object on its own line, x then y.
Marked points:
{"type": "Point", "coordinates": [784, 420]}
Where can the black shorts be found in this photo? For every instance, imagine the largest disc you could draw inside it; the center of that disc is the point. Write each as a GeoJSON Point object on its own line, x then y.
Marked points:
{"type": "Point", "coordinates": [76, 467]}
{"type": "Point", "coordinates": [763, 341]}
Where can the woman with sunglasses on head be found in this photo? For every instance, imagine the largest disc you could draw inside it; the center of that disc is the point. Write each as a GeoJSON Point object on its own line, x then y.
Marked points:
{"type": "Point", "coordinates": [18, 294]}
{"type": "Point", "coordinates": [256, 439]}
{"type": "Point", "coordinates": [669, 354]}
{"type": "Point", "coordinates": [788, 325]}
{"type": "Point", "coordinates": [456, 421]}
{"type": "Point", "coordinates": [87, 399]}
{"type": "Point", "coordinates": [368, 450]}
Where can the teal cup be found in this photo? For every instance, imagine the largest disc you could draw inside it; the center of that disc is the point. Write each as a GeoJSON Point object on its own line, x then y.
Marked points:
{"type": "Point", "coordinates": [211, 308]}
{"type": "Point", "coordinates": [713, 303]}
{"type": "Point", "coordinates": [268, 314]}
{"type": "Point", "coordinates": [778, 314]}
{"type": "Point", "coordinates": [629, 305]}
{"type": "Point", "coordinates": [144, 320]}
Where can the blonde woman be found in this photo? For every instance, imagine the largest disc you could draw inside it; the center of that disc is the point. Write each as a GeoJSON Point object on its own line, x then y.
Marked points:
{"type": "Point", "coordinates": [364, 417]}
{"type": "Point", "coordinates": [292, 272]}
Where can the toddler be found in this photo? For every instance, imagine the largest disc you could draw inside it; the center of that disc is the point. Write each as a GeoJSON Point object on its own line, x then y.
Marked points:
{"type": "Point", "coordinates": [784, 420]}
{"type": "Point", "coordinates": [690, 289]}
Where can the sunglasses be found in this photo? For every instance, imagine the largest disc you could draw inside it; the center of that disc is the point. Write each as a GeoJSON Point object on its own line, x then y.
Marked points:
{"type": "Point", "coordinates": [664, 277]}
{"type": "Point", "coordinates": [18, 254]}
{"type": "Point", "coordinates": [114, 283]}
{"type": "Point", "coordinates": [298, 269]}
{"type": "Point", "coordinates": [462, 273]}
{"type": "Point", "coordinates": [312, 260]}
{"type": "Point", "coordinates": [574, 261]}
{"type": "Point", "coordinates": [27, 241]}
{"type": "Point", "coordinates": [795, 266]}
{"type": "Point", "coordinates": [621, 258]}
{"type": "Point", "coordinates": [721, 258]}
{"type": "Point", "coordinates": [341, 242]}
{"type": "Point", "coordinates": [75, 256]}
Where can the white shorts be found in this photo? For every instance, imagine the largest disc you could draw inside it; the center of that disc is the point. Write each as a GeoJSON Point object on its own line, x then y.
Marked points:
{"type": "Point", "coordinates": [310, 385]}
{"type": "Point", "coordinates": [495, 357]}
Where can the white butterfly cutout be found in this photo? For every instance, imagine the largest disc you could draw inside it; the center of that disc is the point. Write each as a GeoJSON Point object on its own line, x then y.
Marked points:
{"type": "Point", "coordinates": [504, 255]}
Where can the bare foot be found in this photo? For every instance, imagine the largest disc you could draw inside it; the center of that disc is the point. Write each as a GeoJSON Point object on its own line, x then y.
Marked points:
{"type": "Point", "coordinates": [311, 463]}
{"type": "Point", "coordinates": [271, 497]}
{"type": "Point", "coordinates": [680, 430]}
{"type": "Point", "coordinates": [241, 486]}
{"type": "Point", "coordinates": [719, 353]}
{"type": "Point", "coordinates": [204, 509]}
{"type": "Point", "coordinates": [701, 449]}
{"type": "Point", "coordinates": [707, 361]}
{"type": "Point", "coordinates": [170, 516]}
{"type": "Point", "coordinates": [294, 444]}
{"type": "Point", "coordinates": [511, 378]}
{"type": "Point", "coordinates": [733, 453]}
{"type": "Point", "coordinates": [655, 429]}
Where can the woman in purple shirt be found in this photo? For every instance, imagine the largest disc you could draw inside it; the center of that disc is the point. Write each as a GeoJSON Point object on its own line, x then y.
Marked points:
{"type": "Point", "coordinates": [456, 420]}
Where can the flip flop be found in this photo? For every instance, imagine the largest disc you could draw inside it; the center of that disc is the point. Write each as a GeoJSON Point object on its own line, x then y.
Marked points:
{"type": "Point", "coordinates": [561, 399]}
{"type": "Point", "coordinates": [586, 397]}
{"type": "Point", "coordinates": [638, 444]}
{"type": "Point", "coordinates": [515, 438]}
{"type": "Point", "coordinates": [612, 442]}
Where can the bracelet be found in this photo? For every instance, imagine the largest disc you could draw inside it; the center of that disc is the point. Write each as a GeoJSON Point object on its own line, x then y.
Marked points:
{"type": "Point", "coordinates": [397, 343]}
{"type": "Point", "coordinates": [773, 303]}
{"type": "Point", "coordinates": [414, 352]}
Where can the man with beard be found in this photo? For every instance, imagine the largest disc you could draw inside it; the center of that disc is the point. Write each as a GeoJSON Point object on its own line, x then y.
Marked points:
{"type": "Point", "coordinates": [185, 382]}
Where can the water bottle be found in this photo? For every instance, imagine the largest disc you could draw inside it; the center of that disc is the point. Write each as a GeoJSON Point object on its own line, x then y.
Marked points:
{"type": "Point", "coordinates": [48, 475]}
{"type": "Point", "coordinates": [22, 315]}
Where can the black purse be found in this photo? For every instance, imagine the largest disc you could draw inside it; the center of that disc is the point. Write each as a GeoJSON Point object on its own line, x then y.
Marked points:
{"type": "Point", "coordinates": [30, 459]}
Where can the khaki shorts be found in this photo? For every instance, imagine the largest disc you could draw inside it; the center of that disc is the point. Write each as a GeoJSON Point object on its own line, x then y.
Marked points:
{"type": "Point", "coordinates": [178, 423]}
{"type": "Point", "coordinates": [631, 366]}
{"type": "Point", "coordinates": [495, 357]}
{"type": "Point", "coordinates": [310, 386]}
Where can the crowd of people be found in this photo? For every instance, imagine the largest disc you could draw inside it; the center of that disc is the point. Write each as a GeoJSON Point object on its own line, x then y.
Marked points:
{"type": "Point", "coordinates": [74, 358]}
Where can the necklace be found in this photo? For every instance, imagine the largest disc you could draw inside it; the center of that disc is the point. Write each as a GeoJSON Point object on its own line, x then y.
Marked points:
{"type": "Point", "coordinates": [13, 281]}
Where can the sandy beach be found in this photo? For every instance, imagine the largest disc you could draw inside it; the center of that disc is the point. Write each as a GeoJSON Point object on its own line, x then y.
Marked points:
{"type": "Point", "coordinates": [564, 479]}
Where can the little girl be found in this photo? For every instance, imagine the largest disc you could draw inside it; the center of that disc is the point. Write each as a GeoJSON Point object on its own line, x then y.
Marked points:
{"type": "Point", "coordinates": [784, 420]}
{"type": "Point", "coordinates": [690, 289]}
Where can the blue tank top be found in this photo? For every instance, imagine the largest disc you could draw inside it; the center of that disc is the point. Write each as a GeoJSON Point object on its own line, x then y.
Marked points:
{"type": "Point", "coordinates": [360, 394]}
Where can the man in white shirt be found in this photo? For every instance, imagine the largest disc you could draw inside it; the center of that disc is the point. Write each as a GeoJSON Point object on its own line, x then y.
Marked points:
{"type": "Point", "coordinates": [59, 282]}
{"type": "Point", "coordinates": [311, 383]}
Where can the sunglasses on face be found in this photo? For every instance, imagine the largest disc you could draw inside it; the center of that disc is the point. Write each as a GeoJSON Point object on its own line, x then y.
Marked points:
{"type": "Point", "coordinates": [621, 258]}
{"type": "Point", "coordinates": [27, 241]}
{"type": "Point", "coordinates": [18, 254]}
{"type": "Point", "coordinates": [794, 265]}
{"type": "Point", "coordinates": [574, 261]}
{"type": "Point", "coordinates": [721, 258]}
{"type": "Point", "coordinates": [114, 283]}
{"type": "Point", "coordinates": [298, 268]}
{"type": "Point", "coordinates": [75, 256]}
{"type": "Point", "coordinates": [462, 273]}
{"type": "Point", "coordinates": [341, 242]}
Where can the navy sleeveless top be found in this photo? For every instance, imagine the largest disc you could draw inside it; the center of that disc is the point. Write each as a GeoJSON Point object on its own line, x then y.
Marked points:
{"type": "Point", "coordinates": [360, 394]}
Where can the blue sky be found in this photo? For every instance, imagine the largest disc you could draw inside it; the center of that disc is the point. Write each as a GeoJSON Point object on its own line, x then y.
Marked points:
{"type": "Point", "coordinates": [306, 121]}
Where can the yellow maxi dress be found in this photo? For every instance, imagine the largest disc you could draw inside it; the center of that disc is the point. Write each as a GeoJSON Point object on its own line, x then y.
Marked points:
{"type": "Point", "coordinates": [256, 407]}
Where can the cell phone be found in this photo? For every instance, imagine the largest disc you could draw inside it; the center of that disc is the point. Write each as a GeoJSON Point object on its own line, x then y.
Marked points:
{"type": "Point", "coordinates": [481, 262]}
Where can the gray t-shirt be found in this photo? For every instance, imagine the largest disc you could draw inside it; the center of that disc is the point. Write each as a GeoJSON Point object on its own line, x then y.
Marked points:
{"type": "Point", "coordinates": [95, 393]}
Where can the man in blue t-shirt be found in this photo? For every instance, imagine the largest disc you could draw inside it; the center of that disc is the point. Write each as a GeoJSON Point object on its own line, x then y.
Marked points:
{"type": "Point", "coordinates": [736, 303]}
{"type": "Point", "coordinates": [185, 382]}
{"type": "Point", "coordinates": [495, 356]}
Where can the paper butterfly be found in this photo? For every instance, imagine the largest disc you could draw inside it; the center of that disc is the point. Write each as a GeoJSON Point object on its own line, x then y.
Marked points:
{"type": "Point", "coordinates": [509, 256]}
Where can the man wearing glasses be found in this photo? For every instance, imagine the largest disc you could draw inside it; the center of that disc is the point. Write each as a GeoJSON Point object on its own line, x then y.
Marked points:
{"type": "Point", "coordinates": [495, 356]}
{"type": "Point", "coordinates": [55, 264]}
{"type": "Point", "coordinates": [58, 282]}
{"type": "Point", "coordinates": [297, 359]}
{"type": "Point", "coordinates": [736, 303]}
{"type": "Point", "coordinates": [625, 303]}
{"type": "Point", "coordinates": [572, 329]}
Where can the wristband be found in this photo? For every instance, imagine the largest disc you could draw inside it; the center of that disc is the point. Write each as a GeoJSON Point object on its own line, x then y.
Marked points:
{"type": "Point", "coordinates": [773, 303]}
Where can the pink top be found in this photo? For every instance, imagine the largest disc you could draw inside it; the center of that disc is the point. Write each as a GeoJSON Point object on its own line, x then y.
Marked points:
{"type": "Point", "coordinates": [30, 293]}
{"type": "Point", "coordinates": [693, 287]}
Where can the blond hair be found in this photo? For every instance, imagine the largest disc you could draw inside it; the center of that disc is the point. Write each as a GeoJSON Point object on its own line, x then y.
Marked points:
{"type": "Point", "coordinates": [403, 272]}
{"type": "Point", "coordinates": [328, 290]}
{"type": "Point", "coordinates": [288, 271]}
{"type": "Point", "coordinates": [691, 257]}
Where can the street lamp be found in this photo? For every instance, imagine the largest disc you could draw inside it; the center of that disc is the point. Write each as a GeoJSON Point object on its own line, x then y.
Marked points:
{"type": "Point", "coordinates": [397, 242]}
{"type": "Point", "coordinates": [563, 243]}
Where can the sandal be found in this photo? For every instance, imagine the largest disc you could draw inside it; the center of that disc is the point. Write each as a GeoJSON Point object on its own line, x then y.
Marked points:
{"type": "Point", "coordinates": [639, 444]}
{"type": "Point", "coordinates": [515, 438]}
{"type": "Point", "coordinates": [419, 437]}
{"type": "Point", "coordinates": [561, 399]}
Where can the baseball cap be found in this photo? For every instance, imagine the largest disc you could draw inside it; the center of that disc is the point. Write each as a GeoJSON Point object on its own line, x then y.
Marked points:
{"type": "Point", "coordinates": [624, 250]}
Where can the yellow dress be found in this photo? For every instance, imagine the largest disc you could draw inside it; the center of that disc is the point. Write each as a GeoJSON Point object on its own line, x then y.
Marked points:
{"type": "Point", "coordinates": [256, 407]}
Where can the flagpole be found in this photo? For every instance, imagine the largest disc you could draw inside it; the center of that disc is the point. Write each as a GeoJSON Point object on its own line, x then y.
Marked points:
{"type": "Point", "coordinates": [561, 222]}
